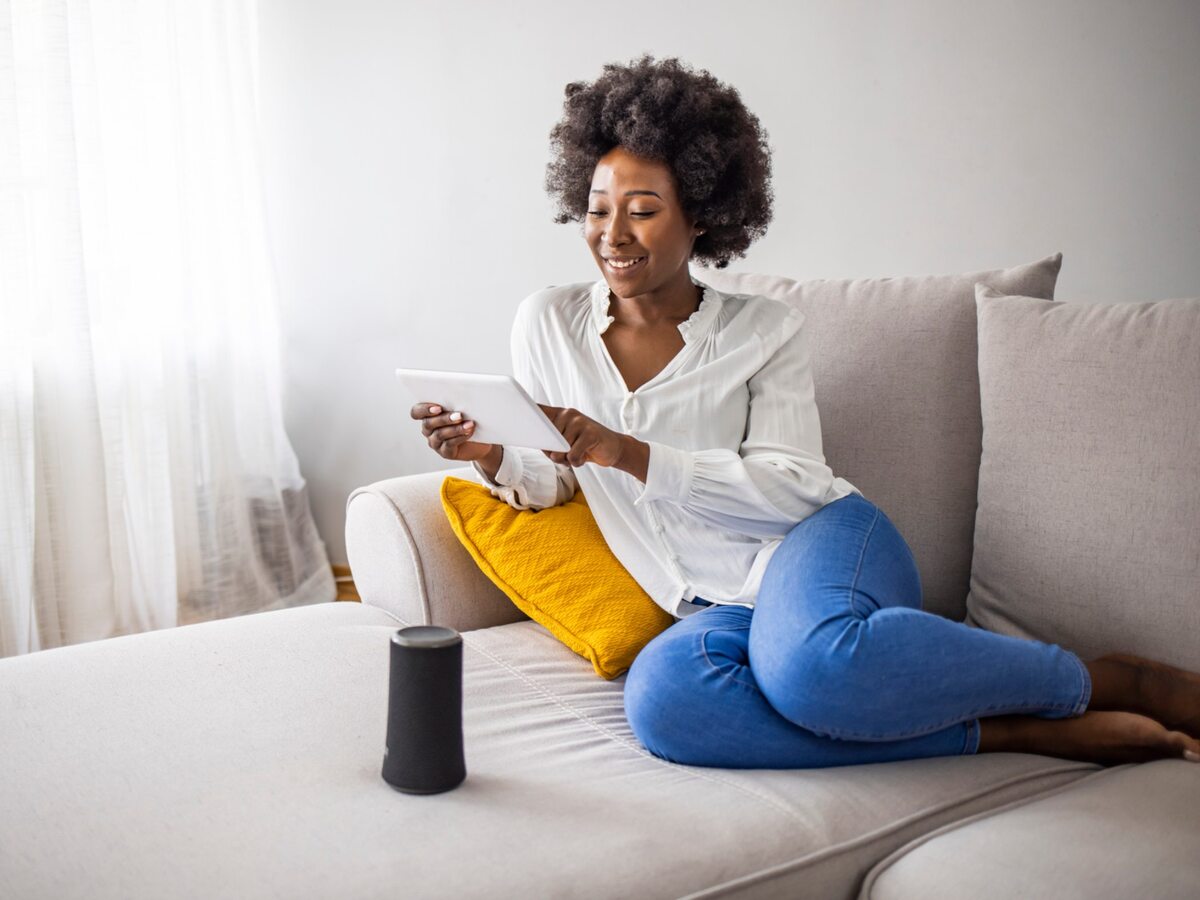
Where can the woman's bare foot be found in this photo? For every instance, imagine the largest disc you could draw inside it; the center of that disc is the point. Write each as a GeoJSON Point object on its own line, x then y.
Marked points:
{"type": "Point", "coordinates": [1122, 681]}
{"type": "Point", "coordinates": [1109, 738]}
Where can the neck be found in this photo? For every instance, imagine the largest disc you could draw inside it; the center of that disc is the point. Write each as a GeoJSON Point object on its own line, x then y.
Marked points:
{"type": "Point", "coordinates": [670, 303]}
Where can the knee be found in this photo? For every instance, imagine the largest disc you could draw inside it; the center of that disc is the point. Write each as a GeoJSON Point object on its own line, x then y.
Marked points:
{"type": "Point", "coordinates": [807, 683]}
{"type": "Point", "coordinates": [654, 702]}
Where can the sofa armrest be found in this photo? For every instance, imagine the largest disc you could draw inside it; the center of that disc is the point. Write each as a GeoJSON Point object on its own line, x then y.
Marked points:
{"type": "Point", "coordinates": [406, 559]}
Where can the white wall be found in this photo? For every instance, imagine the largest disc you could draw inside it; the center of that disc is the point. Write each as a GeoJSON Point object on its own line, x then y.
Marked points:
{"type": "Point", "coordinates": [406, 142]}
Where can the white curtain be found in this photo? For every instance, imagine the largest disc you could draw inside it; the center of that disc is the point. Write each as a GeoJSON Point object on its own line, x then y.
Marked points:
{"type": "Point", "coordinates": [145, 477]}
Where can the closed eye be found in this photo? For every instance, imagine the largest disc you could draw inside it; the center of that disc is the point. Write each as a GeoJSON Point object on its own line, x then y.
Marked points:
{"type": "Point", "coordinates": [597, 213]}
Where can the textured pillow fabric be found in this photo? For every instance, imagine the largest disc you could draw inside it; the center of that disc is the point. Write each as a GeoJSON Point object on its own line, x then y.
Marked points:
{"type": "Point", "coordinates": [556, 567]}
{"type": "Point", "coordinates": [897, 387]}
{"type": "Point", "coordinates": [1088, 528]}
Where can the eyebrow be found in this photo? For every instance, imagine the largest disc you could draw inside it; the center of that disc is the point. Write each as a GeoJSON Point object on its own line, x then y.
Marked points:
{"type": "Point", "coordinates": [630, 193]}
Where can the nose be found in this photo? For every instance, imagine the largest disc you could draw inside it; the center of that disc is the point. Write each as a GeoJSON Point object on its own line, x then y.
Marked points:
{"type": "Point", "coordinates": [616, 230]}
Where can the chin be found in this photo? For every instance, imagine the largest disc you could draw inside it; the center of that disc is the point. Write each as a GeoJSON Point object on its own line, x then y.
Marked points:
{"type": "Point", "coordinates": [631, 288]}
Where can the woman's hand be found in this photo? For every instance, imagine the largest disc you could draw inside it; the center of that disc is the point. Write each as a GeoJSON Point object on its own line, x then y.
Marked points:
{"type": "Point", "coordinates": [449, 433]}
{"type": "Point", "coordinates": [590, 441]}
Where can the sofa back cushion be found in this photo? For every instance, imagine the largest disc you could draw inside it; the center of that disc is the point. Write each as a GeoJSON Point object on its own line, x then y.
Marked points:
{"type": "Point", "coordinates": [1088, 528]}
{"type": "Point", "coordinates": [894, 367]}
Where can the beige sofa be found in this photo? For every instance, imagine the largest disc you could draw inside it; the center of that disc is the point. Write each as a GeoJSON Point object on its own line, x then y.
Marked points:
{"type": "Point", "coordinates": [241, 758]}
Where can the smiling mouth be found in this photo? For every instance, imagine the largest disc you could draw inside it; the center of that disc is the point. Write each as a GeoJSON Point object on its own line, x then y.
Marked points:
{"type": "Point", "coordinates": [624, 265]}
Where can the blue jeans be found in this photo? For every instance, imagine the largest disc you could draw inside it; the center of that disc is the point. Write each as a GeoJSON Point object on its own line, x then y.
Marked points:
{"type": "Point", "coordinates": [837, 664]}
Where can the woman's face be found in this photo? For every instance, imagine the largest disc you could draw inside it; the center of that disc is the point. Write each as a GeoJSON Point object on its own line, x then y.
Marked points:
{"type": "Point", "coordinates": [635, 227]}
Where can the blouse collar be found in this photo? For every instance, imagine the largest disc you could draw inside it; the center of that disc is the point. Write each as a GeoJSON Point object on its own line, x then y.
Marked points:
{"type": "Point", "coordinates": [697, 325]}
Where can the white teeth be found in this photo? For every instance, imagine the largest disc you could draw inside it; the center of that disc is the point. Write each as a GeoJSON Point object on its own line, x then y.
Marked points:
{"type": "Point", "coordinates": [625, 265]}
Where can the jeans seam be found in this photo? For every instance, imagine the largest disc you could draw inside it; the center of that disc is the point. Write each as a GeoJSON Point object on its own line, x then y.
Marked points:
{"type": "Point", "coordinates": [862, 554]}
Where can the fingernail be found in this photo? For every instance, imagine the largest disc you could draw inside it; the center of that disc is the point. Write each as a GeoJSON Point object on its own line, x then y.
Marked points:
{"type": "Point", "coordinates": [469, 426]}
{"type": "Point", "coordinates": [1191, 756]}
{"type": "Point", "coordinates": [435, 409]}
{"type": "Point", "coordinates": [455, 416]}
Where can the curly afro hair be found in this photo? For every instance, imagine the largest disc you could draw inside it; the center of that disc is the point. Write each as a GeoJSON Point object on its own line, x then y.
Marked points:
{"type": "Point", "coordinates": [714, 146]}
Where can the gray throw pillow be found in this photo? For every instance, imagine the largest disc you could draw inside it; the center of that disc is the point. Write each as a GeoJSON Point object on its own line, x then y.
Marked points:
{"type": "Point", "coordinates": [894, 369]}
{"type": "Point", "coordinates": [1088, 528]}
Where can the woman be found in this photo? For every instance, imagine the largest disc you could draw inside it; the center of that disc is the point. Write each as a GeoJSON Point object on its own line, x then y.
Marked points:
{"type": "Point", "coordinates": [801, 641]}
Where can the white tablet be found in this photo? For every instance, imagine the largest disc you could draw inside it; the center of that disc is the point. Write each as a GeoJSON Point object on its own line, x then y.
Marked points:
{"type": "Point", "coordinates": [503, 412]}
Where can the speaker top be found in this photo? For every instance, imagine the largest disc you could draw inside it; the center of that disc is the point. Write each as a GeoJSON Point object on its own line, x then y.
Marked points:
{"type": "Point", "coordinates": [427, 636]}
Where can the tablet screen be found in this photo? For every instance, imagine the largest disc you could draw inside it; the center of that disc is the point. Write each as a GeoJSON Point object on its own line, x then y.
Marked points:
{"type": "Point", "coordinates": [502, 410]}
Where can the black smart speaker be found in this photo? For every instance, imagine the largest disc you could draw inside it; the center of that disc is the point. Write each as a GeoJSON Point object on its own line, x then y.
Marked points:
{"type": "Point", "coordinates": [424, 753]}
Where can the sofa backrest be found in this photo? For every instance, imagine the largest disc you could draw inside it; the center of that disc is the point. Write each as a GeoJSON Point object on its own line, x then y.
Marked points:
{"type": "Point", "coordinates": [897, 385]}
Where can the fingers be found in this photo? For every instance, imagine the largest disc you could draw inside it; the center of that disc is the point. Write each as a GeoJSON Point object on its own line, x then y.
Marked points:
{"type": "Point", "coordinates": [580, 434]}
{"type": "Point", "coordinates": [421, 410]}
{"type": "Point", "coordinates": [443, 430]}
{"type": "Point", "coordinates": [447, 440]}
{"type": "Point", "coordinates": [449, 448]}
{"type": "Point", "coordinates": [562, 416]}
{"type": "Point", "coordinates": [574, 426]}
{"type": "Point", "coordinates": [555, 414]}
{"type": "Point", "coordinates": [447, 428]}
{"type": "Point", "coordinates": [558, 415]}
{"type": "Point", "coordinates": [434, 417]}
{"type": "Point", "coordinates": [578, 454]}
{"type": "Point", "coordinates": [574, 457]}
{"type": "Point", "coordinates": [445, 420]}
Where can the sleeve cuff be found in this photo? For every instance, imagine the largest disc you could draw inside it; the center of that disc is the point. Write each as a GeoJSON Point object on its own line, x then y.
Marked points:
{"type": "Point", "coordinates": [668, 475]}
{"type": "Point", "coordinates": [508, 474]}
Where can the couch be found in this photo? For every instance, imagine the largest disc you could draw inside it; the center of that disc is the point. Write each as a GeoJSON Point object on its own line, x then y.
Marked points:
{"type": "Point", "coordinates": [241, 758]}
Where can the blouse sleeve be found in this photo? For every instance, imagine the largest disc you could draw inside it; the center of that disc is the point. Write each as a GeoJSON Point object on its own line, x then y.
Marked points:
{"type": "Point", "coordinates": [527, 478]}
{"type": "Point", "coordinates": [778, 476]}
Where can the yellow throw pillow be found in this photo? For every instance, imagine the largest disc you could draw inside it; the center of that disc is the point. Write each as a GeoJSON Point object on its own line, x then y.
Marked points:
{"type": "Point", "coordinates": [556, 567]}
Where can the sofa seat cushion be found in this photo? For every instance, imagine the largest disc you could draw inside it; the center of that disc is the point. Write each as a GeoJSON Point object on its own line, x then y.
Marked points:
{"type": "Point", "coordinates": [242, 758]}
{"type": "Point", "coordinates": [1129, 831]}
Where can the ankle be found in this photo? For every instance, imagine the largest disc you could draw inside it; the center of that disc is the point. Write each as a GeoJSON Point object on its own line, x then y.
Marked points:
{"type": "Point", "coordinates": [1116, 684]}
{"type": "Point", "coordinates": [1004, 734]}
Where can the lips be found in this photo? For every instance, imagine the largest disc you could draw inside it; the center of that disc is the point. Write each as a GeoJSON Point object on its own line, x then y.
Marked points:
{"type": "Point", "coordinates": [623, 264]}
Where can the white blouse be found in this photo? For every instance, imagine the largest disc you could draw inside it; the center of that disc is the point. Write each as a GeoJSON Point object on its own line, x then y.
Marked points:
{"type": "Point", "coordinates": [734, 435]}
